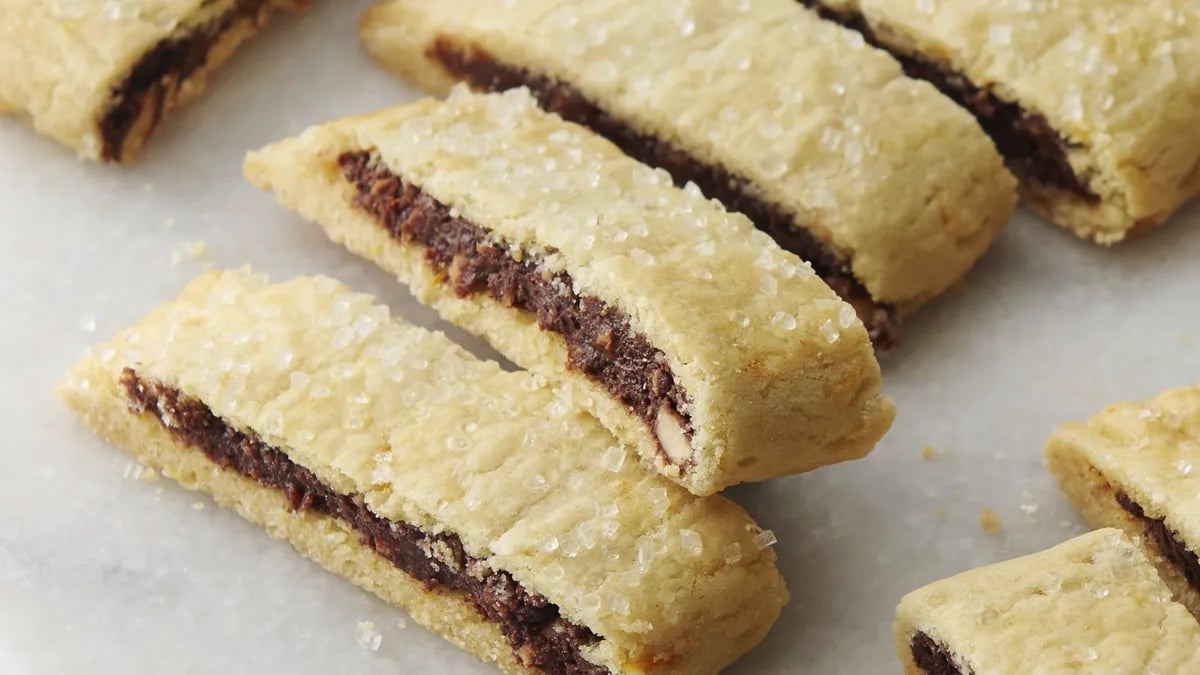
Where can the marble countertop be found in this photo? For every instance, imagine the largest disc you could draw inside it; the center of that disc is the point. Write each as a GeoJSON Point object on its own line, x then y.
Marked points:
{"type": "Point", "coordinates": [102, 571]}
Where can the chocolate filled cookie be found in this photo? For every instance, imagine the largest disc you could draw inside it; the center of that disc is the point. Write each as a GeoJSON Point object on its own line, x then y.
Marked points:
{"type": "Point", "coordinates": [483, 502]}
{"type": "Point", "coordinates": [885, 187]}
{"type": "Point", "coordinates": [1092, 102]}
{"type": "Point", "coordinates": [1130, 467]}
{"type": "Point", "coordinates": [99, 76]}
{"type": "Point", "coordinates": [690, 334]}
{"type": "Point", "coordinates": [1091, 605]}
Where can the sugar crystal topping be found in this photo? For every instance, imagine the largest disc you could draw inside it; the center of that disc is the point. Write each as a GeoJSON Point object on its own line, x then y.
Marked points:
{"type": "Point", "coordinates": [1120, 58]}
{"type": "Point", "coordinates": [630, 228]}
{"type": "Point", "coordinates": [453, 438]}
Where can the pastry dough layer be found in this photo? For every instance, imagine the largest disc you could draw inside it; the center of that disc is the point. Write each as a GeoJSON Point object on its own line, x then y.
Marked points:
{"type": "Point", "coordinates": [1119, 80]}
{"type": "Point", "coordinates": [1145, 450]}
{"type": "Point", "coordinates": [896, 179]}
{"type": "Point", "coordinates": [428, 435]}
{"type": "Point", "coordinates": [729, 309]}
{"type": "Point", "coordinates": [63, 63]}
{"type": "Point", "coordinates": [1091, 605]}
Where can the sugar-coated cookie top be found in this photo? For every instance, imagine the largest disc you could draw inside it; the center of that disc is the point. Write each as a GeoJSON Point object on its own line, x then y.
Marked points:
{"type": "Point", "coordinates": [881, 166]}
{"type": "Point", "coordinates": [701, 283]}
{"type": "Point", "coordinates": [1090, 66]}
{"type": "Point", "coordinates": [62, 58]}
{"type": "Point", "coordinates": [1151, 451]}
{"type": "Point", "coordinates": [1119, 79]}
{"type": "Point", "coordinates": [430, 435]}
{"type": "Point", "coordinates": [1091, 605]}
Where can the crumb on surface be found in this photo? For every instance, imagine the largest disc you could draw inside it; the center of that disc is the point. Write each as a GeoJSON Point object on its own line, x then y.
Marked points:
{"type": "Point", "coordinates": [928, 452]}
{"type": "Point", "coordinates": [197, 506]}
{"type": "Point", "coordinates": [366, 635]}
{"type": "Point", "coordinates": [941, 514]}
{"type": "Point", "coordinates": [195, 249]}
{"type": "Point", "coordinates": [192, 250]}
{"type": "Point", "coordinates": [990, 521]}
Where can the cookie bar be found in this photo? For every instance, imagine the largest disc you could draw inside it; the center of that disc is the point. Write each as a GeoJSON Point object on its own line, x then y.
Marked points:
{"type": "Point", "coordinates": [1091, 605]}
{"type": "Point", "coordinates": [1131, 467]}
{"type": "Point", "coordinates": [721, 357]}
{"type": "Point", "coordinates": [484, 503]}
{"type": "Point", "coordinates": [99, 76]}
{"type": "Point", "coordinates": [1092, 102]}
{"type": "Point", "coordinates": [884, 186]}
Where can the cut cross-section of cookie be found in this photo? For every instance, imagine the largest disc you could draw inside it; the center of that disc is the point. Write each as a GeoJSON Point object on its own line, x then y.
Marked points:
{"type": "Point", "coordinates": [101, 76]}
{"type": "Point", "coordinates": [1091, 605]}
{"type": "Point", "coordinates": [690, 334]}
{"type": "Point", "coordinates": [888, 189]}
{"type": "Point", "coordinates": [485, 503]}
{"type": "Point", "coordinates": [1092, 102]}
{"type": "Point", "coordinates": [1131, 466]}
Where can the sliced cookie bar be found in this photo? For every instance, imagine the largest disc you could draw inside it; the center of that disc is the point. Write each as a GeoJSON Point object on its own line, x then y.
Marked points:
{"type": "Point", "coordinates": [100, 75]}
{"type": "Point", "coordinates": [1131, 467]}
{"type": "Point", "coordinates": [484, 503]}
{"type": "Point", "coordinates": [1092, 102]}
{"type": "Point", "coordinates": [1091, 605]}
{"type": "Point", "coordinates": [690, 334]}
{"type": "Point", "coordinates": [883, 185]}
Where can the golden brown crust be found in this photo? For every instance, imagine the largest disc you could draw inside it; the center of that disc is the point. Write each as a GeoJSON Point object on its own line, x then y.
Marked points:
{"type": "Point", "coordinates": [62, 63]}
{"type": "Point", "coordinates": [897, 179]}
{"type": "Point", "coordinates": [1120, 81]}
{"type": "Point", "coordinates": [1146, 451]}
{"type": "Point", "coordinates": [1093, 604]}
{"type": "Point", "coordinates": [765, 316]}
{"type": "Point", "coordinates": [426, 434]}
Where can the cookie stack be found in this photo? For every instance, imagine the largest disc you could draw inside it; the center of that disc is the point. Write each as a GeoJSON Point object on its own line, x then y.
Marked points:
{"type": "Point", "coordinates": [692, 225]}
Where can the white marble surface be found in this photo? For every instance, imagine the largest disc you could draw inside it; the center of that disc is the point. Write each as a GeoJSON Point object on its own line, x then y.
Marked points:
{"type": "Point", "coordinates": [103, 573]}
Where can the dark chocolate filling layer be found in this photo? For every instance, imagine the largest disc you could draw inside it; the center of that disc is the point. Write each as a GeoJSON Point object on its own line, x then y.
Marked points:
{"type": "Point", "coordinates": [482, 71]}
{"type": "Point", "coordinates": [173, 59]}
{"type": "Point", "coordinates": [539, 636]}
{"type": "Point", "coordinates": [1166, 541]}
{"type": "Point", "coordinates": [1033, 149]}
{"type": "Point", "coordinates": [600, 341]}
{"type": "Point", "coordinates": [931, 657]}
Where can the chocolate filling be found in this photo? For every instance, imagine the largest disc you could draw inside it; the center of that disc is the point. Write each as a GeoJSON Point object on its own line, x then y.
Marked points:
{"type": "Point", "coordinates": [539, 636]}
{"type": "Point", "coordinates": [1031, 147]}
{"type": "Point", "coordinates": [1166, 541]}
{"type": "Point", "coordinates": [482, 71]}
{"type": "Point", "coordinates": [931, 657]}
{"type": "Point", "coordinates": [600, 341]}
{"type": "Point", "coordinates": [161, 69]}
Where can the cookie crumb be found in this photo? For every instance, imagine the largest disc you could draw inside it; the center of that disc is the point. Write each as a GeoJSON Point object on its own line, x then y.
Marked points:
{"type": "Point", "coordinates": [1029, 505]}
{"type": "Point", "coordinates": [192, 250]}
{"type": "Point", "coordinates": [197, 506]}
{"type": "Point", "coordinates": [148, 475]}
{"type": "Point", "coordinates": [990, 521]}
{"type": "Point", "coordinates": [928, 452]}
{"type": "Point", "coordinates": [195, 249]}
{"type": "Point", "coordinates": [941, 514]}
{"type": "Point", "coordinates": [366, 636]}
